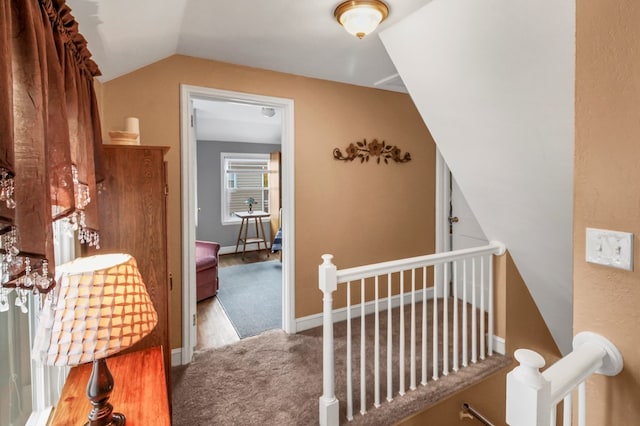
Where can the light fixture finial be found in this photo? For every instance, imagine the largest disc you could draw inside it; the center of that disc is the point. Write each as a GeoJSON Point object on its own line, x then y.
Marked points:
{"type": "Point", "coordinates": [361, 17]}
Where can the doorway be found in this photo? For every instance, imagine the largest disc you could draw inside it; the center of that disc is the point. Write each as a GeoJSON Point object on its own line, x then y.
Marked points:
{"type": "Point", "coordinates": [457, 228]}
{"type": "Point", "coordinates": [189, 94]}
{"type": "Point", "coordinates": [238, 160]}
{"type": "Point", "coordinates": [456, 225]}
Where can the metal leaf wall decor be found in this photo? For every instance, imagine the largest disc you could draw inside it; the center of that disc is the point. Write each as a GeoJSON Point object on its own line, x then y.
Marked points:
{"type": "Point", "coordinates": [378, 151]}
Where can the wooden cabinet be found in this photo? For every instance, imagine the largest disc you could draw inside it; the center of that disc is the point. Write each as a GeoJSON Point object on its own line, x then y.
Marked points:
{"type": "Point", "coordinates": [132, 202]}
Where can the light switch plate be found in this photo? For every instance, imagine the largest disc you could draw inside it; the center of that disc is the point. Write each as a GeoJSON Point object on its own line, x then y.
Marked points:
{"type": "Point", "coordinates": [610, 248]}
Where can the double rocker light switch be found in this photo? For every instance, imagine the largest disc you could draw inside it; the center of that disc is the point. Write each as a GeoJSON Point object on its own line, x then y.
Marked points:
{"type": "Point", "coordinates": [610, 248]}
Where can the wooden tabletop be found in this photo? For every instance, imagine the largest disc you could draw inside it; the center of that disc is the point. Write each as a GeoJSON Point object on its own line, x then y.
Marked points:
{"type": "Point", "coordinates": [139, 391]}
{"type": "Point", "coordinates": [255, 213]}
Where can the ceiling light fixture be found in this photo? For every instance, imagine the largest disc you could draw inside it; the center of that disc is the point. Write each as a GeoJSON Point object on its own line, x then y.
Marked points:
{"type": "Point", "coordinates": [268, 112]}
{"type": "Point", "coordinates": [361, 17]}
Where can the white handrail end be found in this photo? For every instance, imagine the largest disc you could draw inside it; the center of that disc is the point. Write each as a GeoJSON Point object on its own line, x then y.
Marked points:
{"type": "Point", "coordinates": [326, 259]}
{"type": "Point", "coordinates": [612, 363]}
{"type": "Point", "coordinates": [502, 248]}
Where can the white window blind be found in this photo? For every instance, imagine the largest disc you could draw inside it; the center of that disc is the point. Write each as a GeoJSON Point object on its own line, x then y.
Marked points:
{"type": "Point", "coordinates": [28, 389]}
{"type": "Point", "coordinates": [244, 176]}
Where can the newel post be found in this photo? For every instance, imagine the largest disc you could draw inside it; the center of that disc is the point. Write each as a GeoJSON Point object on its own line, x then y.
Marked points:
{"type": "Point", "coordinates": [328, 283]}
{"type": "Point", "coordinates": [528, 392]}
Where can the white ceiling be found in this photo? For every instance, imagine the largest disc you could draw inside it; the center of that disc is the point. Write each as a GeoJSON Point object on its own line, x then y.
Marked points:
{"type": "Point", "coordinates": [236, 122]}
{"type": "Point", "coordinates": [294, 36]}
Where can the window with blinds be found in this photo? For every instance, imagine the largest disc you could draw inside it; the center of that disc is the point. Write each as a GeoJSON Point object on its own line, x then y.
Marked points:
{"type": "Point", "coordinates": [244, 176]}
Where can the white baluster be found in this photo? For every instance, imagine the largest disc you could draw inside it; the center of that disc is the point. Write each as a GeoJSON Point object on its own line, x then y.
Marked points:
{"type": "Point", "coordinates": [412, 384]}
{"type": "Point", "coordinates": [435, 322]}
{"type": "Point", "coordinates": [401, 349]}
{"type": "Point", "coordinates": [328, 404]}
{"type": "Point", "coordinates": [445, 321]}
{"type": "Point", "coordinates": [423, 382]}
{"type": "Point", "coordinates": [582, 404]}
{"type": "Point", "coordinates": [349, 357]}
{"type": "Point", "coordinates": [465, 342]}
{"type": "Point", "coordinates": [474, 314]}
{"type": "Point", "coordinates": [491, 330]}
{"type": "Point", "coordinates": [363, 353]}
{"type": "Point", "coordinates": [376, 357]}
{"type": "Point", "coordinates": [455, 316]}
{"type": "Point", "coordinates": [567, 410]}
{"type": "Point", "coordinates": [552, 414]}
{"type": "Point", "coordinates": [482, 311]}
{"type": "Point", "coordinates": [389, 341]}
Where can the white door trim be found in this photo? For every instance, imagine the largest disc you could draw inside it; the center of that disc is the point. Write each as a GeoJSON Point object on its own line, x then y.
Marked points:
{"type": "Point", "coordinates": [188, 92]}
{"type": "Point", "coordinates": [443, 199]}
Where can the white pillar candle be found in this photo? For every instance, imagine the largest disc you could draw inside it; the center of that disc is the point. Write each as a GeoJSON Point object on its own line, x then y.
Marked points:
{"type": "Point", "coordinates": [132, 124]}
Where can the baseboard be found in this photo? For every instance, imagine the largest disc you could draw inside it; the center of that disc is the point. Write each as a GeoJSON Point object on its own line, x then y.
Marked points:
{"type": "Point", "coordinates": [315, 320]}
{"type": "Point", "coordinates": [176, 357]}
{"type": "Point", "coordinates": [227, 250]}
{"type": "Point", "coordinates": [232, 249]}
{"type": "Point", "coordinates": [499, 345]}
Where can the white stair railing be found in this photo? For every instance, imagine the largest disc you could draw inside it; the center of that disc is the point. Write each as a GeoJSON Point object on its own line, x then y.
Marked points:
{"type": "Point", "coordinates": [532, 397]}
{"type": "Point", "coordinates": [470, 273]}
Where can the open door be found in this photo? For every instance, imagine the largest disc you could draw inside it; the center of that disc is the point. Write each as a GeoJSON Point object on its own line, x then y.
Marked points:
{"type": "Point", "coordinates": [465, 232]}
{"type": "Point", "coordinates": [275, 195]}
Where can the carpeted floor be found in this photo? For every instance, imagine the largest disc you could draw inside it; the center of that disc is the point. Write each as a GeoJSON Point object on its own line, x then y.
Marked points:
{"type": "Point", "coordinates": [251, 296]}
{"type": "Point", "coordinates": [276, 379]}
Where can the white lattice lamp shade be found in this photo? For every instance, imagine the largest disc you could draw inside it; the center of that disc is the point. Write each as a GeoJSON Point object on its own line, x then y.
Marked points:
{"type": "Point", "coordinates": [101, 307]}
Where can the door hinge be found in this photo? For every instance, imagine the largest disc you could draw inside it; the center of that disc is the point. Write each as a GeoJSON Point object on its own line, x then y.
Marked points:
{"type": "Point", "coordinates": [191, 120]}
{"type": "Point", "coordinates": [194, 320]}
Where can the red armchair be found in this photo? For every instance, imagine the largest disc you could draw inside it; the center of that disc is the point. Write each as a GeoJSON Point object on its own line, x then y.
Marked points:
{"type": "Point", "coordinates": [206, 269]}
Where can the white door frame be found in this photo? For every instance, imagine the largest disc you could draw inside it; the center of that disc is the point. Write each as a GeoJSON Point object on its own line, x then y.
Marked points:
{"type": "Point", "coordinates": [443, 199]}
{"type": "Point", "coordinates": [188, 149]}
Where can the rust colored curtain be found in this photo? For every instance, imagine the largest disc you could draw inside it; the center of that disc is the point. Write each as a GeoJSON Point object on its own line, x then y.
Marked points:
{"type": "Point", "coordinates": [51, 137]}
{"type": "Point", "coordinates": [33, 202]}
{"type": "Point", "coordinates": [6, 111]}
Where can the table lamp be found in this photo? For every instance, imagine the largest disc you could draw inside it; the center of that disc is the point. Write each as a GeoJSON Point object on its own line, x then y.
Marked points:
{"type": "Point", "coordinates": [100, 308]}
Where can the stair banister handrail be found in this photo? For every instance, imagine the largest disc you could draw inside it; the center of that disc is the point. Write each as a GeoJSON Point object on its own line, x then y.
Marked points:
{"type": "Point", "coordinates": [532, 396]}
{"type": "Point", "coordinates": [329, 277]}
{"type": "Point", "coordinates": [393, 266]}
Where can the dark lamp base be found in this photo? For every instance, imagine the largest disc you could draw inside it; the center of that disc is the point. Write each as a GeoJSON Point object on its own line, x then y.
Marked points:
{"type": "Point", "coordinates": [98, 391]}
{"type": "Point", "coordinates": [117, 419]}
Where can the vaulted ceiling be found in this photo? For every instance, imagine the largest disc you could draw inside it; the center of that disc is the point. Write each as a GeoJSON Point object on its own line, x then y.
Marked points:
{"type": "Point", "coordinates": [294, 36]}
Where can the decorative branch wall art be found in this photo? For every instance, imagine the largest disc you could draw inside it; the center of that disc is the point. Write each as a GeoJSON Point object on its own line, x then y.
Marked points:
{"type": "Point", "coordinates": [375, 150]}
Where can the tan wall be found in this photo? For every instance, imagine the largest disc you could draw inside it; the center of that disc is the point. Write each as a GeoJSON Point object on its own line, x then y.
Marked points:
{"type": "Point", "coordinates": [607, 193]}
{"type": "Point", "coordinates": [99, 89]}
{"type": "Point", "coordinates": [487, 397]}
{"type": "Point", "coordinates": [525, 327]}
{"type": "Point", "coordinates": [361, 213]}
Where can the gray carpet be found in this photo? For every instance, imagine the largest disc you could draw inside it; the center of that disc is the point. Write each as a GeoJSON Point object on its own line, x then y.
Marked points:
{"type": "Point", "coordinates": [251, 296]}
{"type": "Point", "coordinates": [276, 379]}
